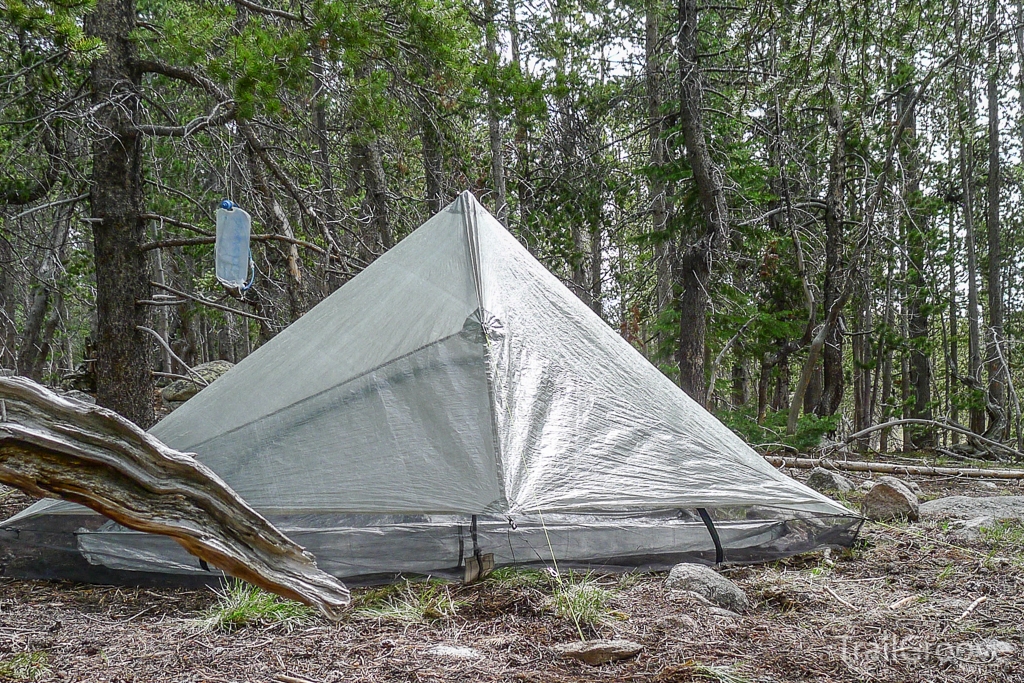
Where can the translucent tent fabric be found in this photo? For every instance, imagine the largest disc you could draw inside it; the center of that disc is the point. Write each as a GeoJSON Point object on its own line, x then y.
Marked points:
{"type": "Point", "coordinates": [457, 379]}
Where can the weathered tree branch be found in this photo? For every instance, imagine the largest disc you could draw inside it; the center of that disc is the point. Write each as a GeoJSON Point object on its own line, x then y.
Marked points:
{"type": "Point", "coordinates": [941, 425]}
{"type": "Point", "coordinates": [189, 241]}
{"type": "Point", "coordinates": [893, 468]}
{"type": "Point", "coordinates": [221, 113]}
{"type": "Point", "coordinates": [207, 302]}
{"type": "Point", "coordinates": [56, 448]}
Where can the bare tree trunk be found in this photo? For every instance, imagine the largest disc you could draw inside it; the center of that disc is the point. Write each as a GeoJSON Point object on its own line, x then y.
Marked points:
{"type": "Point", "coordinates": [953, 359]}
{"type": "Point", "coordinates": [998, 426]}
{"type": "Point", "coordinates": [123, 378]}
{"type": "Point", "coordinates": [323, 150]}
{"type": "Point", "coordinates": [524, 190]}
{"type": "Point", "coordinates": [780, 396]}
{"type": "Point", "coordinates": [974, 333]}
{"type": "Point", "coordinates": [694, 268]}
{"type": "Point", "coordinates": [432, 161]}
{"type": "Point", "coordinates": [656, 159]}
{"type": "Point", "coordinates": [835, 203]}
{"type": "Point", "coordinates": [277, 217]}
{"type": "Point", "coordinates": [862, 359]}
{"type": "Point", "coordinates": [374, 212]}
{"type": "Point", "coordinates": [8, 294]}
{"type": "Point", "coordinates": [493, 122]}
{"type": "Point", "coordinates": [596, 263]}
{"type": "Point", "coordinates": [916, 436]}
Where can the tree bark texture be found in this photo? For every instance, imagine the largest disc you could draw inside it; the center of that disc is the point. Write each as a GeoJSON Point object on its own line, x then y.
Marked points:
{"type": "Point", "coordinates": [832, 383]}
{"type": "Point", "coordinates": [694, 266]}
{"type": "Point", "coordinates": [493, 122]}
{"type": "Point", "coordinates": [8, 293]}
{"type": "Point", "coordinates": [998, 425]}
{"type": "Point", "coordinates": [123, 378]}
{"type": "Point", "coordinates": [58, 448]}
{"type": "Point", "coordinates": [916, 435]}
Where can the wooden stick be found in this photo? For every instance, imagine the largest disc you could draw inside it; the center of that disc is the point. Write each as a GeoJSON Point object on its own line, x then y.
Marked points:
{"type": "Point", "coordinates": [891, 468]}
{"type": "Point", "coordinates": [56, 448]}
{"type": "Point", "coordinates": [836, 596]}
{"type": "Point", "coordinates": [970, 609]}
{"type": "Point", "coordinates": [206, 302]}
{"type": "Point", "coordinates": [903, 601]}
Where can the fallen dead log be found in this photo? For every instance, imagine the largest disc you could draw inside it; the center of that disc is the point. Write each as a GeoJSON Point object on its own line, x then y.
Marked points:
{"type": "Point", "coordinates": [57, 448]}
{"type": "Point", "coordinates": [893, 468]}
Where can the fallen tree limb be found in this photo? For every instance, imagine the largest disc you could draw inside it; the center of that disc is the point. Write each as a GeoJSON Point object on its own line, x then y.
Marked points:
{"type": "Point", "coordinates": [57, 448]}
{"type": "Point", "coordinates": [892, 468]}
{"type": "Point", "coordinates": [934, 423]}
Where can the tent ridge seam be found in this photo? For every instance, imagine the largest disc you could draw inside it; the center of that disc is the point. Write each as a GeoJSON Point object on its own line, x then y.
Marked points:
{"type": "Point", "coordinates": [469, 223]}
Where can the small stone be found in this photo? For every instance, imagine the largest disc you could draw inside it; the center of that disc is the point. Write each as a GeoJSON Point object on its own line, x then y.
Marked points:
{"type": "Point", "coordinates": [986, 485]}
{"type": "Point", "coordinates": [184, 389]}
{"type": "Point", "coordinates": [80, 396]}
{"type": "Point", "coordinates": [455, 652]}
{"type": "Point", "coordinates": [707, 583]}
{"type": "Point", "coordinates": [826, 480]}
{"type": "Point", "coordinates": [912, 485]}
{"type": "Point", "coordinates": [596, 652]}
{"type": "Point", "coordinates": [865, 486]}
{"type": "Point", "coordinates": [971, 529]}
{"type": "Point", "coordinates": [678, 621]}
{"type": "Point", "coordinates": [890, 501]}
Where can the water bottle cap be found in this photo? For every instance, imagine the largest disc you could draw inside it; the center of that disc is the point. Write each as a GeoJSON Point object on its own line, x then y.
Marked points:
{"type": "Point", "coordinates": [227, 205]}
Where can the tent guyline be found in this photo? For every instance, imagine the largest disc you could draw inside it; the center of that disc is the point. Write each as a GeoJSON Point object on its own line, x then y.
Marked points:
{"type": "Point", "coordinates": [455, 384]}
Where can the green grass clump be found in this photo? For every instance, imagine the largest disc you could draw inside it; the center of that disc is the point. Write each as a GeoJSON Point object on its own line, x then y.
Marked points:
{"type": "Point", "coordinates": [407, 603]}
{"type": "Point", "coordinates": [25, 666]}
{"type": "Point", "coordinates": [242, 604]}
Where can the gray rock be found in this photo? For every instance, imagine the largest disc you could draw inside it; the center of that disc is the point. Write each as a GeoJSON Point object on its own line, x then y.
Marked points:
{"type": "Point", "coordinates": [865, 486]}
{"type": "Point", "coordinates": [912, 485]}
{"type": "Point", "coordinates": [184, 389]}
{"type": "Point", "coordinates": [596, 652]}
{"type": "Point", "coordinates": [889, 501]}
{"type": "Point", "coordinates": [709, 584]}
{"type": "Point", "coordinates": [827, 480]}
{"type": "Point", "coordinates": [80, 396]}
{"type": "Point", "coordinates": [986, 485]}
{"type": "Point", "coordinates": [966, 507]}
{"type": "Point", "coordinates": [971, 529]}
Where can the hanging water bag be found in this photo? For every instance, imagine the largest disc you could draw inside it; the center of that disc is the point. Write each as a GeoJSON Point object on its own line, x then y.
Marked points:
{"type": "Point", "coordinates": [232, 248]}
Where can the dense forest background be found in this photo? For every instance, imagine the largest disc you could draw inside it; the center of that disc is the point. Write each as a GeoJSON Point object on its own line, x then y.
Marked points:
{"type": "Point", "coordinates": [808, 214]}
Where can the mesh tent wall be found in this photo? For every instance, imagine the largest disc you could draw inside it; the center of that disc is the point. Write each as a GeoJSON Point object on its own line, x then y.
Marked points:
{"type": "Point", "coordinates": [451, 399]}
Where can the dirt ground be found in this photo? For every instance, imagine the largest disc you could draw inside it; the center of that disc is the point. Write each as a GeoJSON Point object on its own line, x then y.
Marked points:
{"type": "Point", "coordinates": [908, 603]}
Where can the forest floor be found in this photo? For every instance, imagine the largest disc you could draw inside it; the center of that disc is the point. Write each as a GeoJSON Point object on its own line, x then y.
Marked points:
{"type": "Point", "coordinates": [902, 605]}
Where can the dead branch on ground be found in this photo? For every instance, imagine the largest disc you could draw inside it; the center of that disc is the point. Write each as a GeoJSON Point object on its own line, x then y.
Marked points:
{"type": "Point", "coordinates": [57, 448]}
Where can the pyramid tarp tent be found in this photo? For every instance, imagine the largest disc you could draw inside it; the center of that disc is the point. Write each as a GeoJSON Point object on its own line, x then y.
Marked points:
{"type": "Point", "coordinates": [456, 398]}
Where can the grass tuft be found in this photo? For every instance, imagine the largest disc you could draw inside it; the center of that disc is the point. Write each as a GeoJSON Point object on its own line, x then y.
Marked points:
{"type": "Point", "coordinates": [707, 672]}
{"type": "Point", "coordinates": [242, 604]}
{"type": "Point", "coordinates": [578, 598]}
{"type": "Point", "coordinates": [407, 603]}
{"type": "Point", "coordinates": [25, 666]}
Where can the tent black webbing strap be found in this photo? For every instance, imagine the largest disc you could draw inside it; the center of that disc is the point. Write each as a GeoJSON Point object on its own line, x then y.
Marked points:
{"type": "Point", "coordinates": [476, 546]}
{"type": "Point", "coordinates": [719, 551]}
